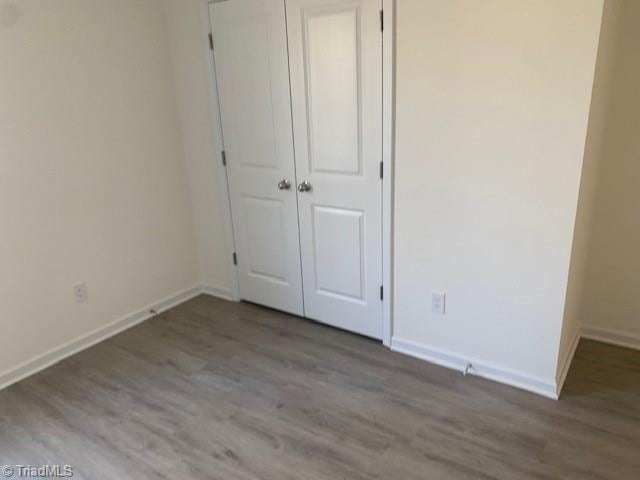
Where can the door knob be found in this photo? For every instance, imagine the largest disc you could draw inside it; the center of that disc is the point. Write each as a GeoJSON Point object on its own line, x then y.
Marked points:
{"type": "Point", "coordinates": [304, 187]}
{"type": "Point", "coordinates": [284, 184]}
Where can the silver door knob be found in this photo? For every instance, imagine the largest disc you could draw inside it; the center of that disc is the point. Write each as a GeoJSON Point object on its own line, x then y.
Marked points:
{"type": "Point", "coordinates": [284, 184]}
{"type": "Point", "coordinates": [304, 187]}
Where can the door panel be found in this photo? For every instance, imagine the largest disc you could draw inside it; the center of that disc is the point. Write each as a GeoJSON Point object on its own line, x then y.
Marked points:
{"type": "Point", "coordinates": [330, 45]}
{"type": "Point", "coordinates": [250, 51]}
{"type": "Point", "coordinates": [338, 234]}
{"type": "Point", "coordinates": [266, 256]}
{"type": "Point", "coordinates": [335, 55]}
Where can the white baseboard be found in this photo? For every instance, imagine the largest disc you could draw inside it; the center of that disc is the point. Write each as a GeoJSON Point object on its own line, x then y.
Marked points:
{"type": "Point", "coordinates": [614, 337]}
{"type": "Point", "coordinates": [450, 360]}
{"type": "Point", "coordinates": [217, 291]}
{"type": "Point", "coordinates": [496, 373]}
{"type": "Point", "coordinates": [565, 366]}
{"type": "Point", "coordinates": [55, 355]}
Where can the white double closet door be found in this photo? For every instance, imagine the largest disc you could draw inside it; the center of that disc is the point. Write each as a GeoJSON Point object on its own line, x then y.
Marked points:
{"type": "Point", "coordinates": [300, 89]}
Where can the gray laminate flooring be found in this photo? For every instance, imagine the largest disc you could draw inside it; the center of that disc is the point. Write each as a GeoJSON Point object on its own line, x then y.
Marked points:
{"type": "Point", "coordinates": [217, 390]}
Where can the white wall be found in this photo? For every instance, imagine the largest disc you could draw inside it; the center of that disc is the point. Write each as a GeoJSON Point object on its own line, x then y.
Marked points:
{"type": "Point", "coordinates": [612, 301]}
{"type": "Point", "coordinates": [188, 47]}
{"type": "Point", "coordinates": [599, 120]}
{"type": "Point", "coordinates": [492, 106]}
{"type": "Point", "coordinates": [92, 184]}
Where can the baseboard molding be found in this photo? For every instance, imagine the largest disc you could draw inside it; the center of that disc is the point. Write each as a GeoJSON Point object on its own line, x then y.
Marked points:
{"type": "Point", "coordinates": [55, 355]}
{"type": "Point", "coordinates": [217, 291]}
{"type": "Point", "coordinates": [614, 337]}
{"type": "Point", "coordinates": [450, 360]}
{"type": "Point", "coordinates": [567, 361]}
{"type": "Point", "coordinates": [486, 370]}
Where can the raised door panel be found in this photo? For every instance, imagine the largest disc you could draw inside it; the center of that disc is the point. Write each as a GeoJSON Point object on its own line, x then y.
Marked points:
{"type": "Point", "coordinates": [266, 239]}
{"type": "Point", "coordinates": [332, 71]}
{"type": "Point", "coordinates": [249, 92]}
{"type": "Point", "coordinates": [339, 253]}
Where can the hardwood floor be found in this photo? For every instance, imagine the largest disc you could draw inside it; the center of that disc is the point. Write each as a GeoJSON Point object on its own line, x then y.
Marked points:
{"type": "Point", "coordinates": [216, 390]}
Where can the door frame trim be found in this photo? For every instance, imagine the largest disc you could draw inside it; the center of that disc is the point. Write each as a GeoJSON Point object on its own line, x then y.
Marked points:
{"type": "Point", "coordinates": [223, 181]}
{"type": "Point", "coordinates": [388, 157]}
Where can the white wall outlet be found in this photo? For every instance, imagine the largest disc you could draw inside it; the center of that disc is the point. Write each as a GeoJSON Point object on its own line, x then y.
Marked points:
{"type": "Point", "coordinates": [80, 292]}
{"type": "Point", "coordinates": [438, 303]}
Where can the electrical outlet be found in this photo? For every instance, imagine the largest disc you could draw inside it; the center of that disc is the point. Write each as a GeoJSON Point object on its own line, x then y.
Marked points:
{"type": "Point", "coordinates": [438, 303]}
{"type": "Point", "coordinates": [81, 293]}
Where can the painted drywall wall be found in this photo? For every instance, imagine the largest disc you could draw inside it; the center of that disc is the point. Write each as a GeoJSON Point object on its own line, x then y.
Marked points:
{"type": "Point", "coordinates": [193, 84]}
{"type": "Point", "coordinates": [611, 300]}
{"type": "Point", "coordinates": [599, 119]}
{"type": "Point", "coordinates": [493, 101]}
{"type": "Point", "coordinates": [92, 183]}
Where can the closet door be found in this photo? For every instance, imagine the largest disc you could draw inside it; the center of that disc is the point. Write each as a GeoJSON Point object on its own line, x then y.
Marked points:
{"type": "Point", "coordinates": [250, 51]}
{"type": "Point", "coordinates": [335, 61]}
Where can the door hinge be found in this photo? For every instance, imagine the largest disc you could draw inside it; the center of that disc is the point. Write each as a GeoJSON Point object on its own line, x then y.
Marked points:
{"type": "Point", "coordinates": [382, 20]}
{"type": "Point", "coordinates": [224, 158]}
{"type": "Point", "coordinates": [235, 258]}
{"type": "Point", "coordinates": [381, 170]}
{"type": "Point", "coordinates": [381, 293]}
{"type": "Point", "coordinates": [211, 42]}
